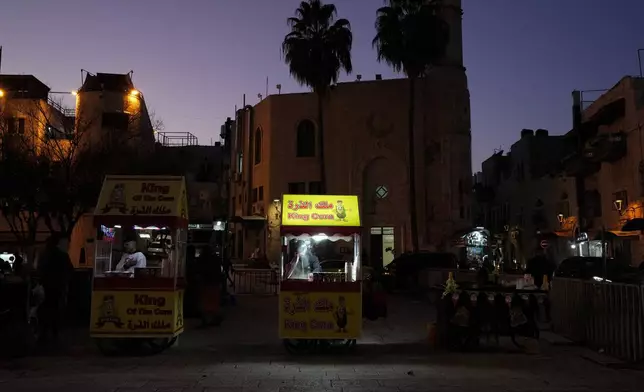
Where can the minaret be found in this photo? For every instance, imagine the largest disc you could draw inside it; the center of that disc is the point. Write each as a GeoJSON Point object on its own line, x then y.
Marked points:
{"type": "Point", "coordinates": [453, 15]}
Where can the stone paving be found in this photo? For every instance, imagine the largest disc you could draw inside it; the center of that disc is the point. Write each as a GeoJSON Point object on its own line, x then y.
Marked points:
{"type": "Point", "coordinates": [244, 355]}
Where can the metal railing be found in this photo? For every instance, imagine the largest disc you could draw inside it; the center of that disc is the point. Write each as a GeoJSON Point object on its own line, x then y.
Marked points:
{"type": "Point", "coordinates": [255, 281]}
{"type": "Point", "coordinates": [608, 316]}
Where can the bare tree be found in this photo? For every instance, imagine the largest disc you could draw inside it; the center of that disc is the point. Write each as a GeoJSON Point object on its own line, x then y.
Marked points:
{"type": "Point", "coordinates": [54, 161]}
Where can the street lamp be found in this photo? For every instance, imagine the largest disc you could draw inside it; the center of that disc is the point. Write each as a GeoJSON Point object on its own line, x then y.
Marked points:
{"type": "Point", "coordinates": [1, 93]}
{"type": "Point", "coordinates": [134, 92]}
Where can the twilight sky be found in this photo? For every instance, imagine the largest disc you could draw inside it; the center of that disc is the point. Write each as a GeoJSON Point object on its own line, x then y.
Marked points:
{"type": "Point", "coordinates": [193, 59]}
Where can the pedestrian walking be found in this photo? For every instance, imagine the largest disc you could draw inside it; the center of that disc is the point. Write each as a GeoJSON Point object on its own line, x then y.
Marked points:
{"type": "Point", "coordinates": [55, 271]}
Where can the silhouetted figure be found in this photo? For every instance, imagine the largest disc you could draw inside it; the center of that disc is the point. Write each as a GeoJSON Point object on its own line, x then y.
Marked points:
{"type": "Point", "coordinates": [55, 270]}
{"type": "Point", "coordinates": [538, 266]}
{"type": "Point", "coordinates": [209, 279]}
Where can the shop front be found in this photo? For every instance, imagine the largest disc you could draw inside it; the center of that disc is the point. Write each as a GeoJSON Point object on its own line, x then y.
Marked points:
{"type": "Point", "coordinates": [473, 246]}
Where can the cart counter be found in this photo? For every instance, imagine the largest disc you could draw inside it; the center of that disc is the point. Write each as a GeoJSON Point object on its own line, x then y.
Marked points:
{"type": "Point", "coordinates": [320, 310]}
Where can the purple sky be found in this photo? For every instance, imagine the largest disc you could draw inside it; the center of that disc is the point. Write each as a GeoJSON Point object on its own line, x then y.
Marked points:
{"type": "Point", "coordinates": [194, 59]}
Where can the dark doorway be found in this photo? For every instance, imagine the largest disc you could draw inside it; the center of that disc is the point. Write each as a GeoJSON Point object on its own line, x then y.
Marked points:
{"type": "Point", "coordinates": [375, 244]}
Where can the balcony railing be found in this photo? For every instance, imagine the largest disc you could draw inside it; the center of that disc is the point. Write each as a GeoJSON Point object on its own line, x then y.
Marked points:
{"type": "Point", "coordinates": [607, 148]}
{"type": "Point", "coordinates": [576, 164]}
{"type": "Point", "coordinates": [63, 110]}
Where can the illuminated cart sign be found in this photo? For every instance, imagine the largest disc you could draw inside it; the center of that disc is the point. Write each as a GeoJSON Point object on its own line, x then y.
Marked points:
{"type": "Point", "coordinates": [149, 197]}
{"type": "Point", "coordinates": [320, 210]}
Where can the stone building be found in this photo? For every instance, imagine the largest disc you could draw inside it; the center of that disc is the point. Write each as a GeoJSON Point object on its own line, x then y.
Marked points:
{"type": "Point", "coordinates": [523, 199]}
{"type": "Point", "coordinates": [275, 147]}
{"type": "Point", "coordinates": [611, 164]}
{"type": "Point", "coordinates": [106, 106]}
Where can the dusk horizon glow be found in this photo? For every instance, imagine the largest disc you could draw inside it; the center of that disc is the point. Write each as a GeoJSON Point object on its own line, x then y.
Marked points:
{"type": "Point", "coordinates": [195, 60]}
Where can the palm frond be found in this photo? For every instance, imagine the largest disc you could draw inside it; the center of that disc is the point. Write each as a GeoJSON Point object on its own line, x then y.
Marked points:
{"type": "Point", "coordinates": [318, 46]}
{"type": "Point", "coordinates": [411, 36]}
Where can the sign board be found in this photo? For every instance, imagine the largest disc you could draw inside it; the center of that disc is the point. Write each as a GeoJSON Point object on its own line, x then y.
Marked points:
{"type": "Point", "coordinates": [320, 315]}
{"type": "Point", "coordinates": [143, 196]}
{"type": "Point", "coordinates": [137, 313]}
{"type": "Point", "coordinates": [544, 244]}
{"type": "Point", "coordinates": [320, 210]}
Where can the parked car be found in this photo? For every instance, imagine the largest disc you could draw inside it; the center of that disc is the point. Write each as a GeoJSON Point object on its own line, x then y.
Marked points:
{"type": "Point", "coordinates": [592, 268]}
{"type": "Point", "coordinates": [402, 272]}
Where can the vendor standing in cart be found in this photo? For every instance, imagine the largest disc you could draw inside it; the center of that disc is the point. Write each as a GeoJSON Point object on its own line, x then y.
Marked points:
{"type": "Point", "coordinates": [131, 258]}
{"type": "Point", "coordinates": [304, 264]}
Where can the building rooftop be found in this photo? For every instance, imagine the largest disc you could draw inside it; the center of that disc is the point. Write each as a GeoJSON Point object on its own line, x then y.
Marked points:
{"type": "Point", "coordinates": [107, 82]}
{"type": "Point", "coordinates": [24, 86]}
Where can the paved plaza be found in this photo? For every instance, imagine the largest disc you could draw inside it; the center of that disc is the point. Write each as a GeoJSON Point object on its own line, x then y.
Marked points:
{"type": "Point", "coordinates": [244, 354]}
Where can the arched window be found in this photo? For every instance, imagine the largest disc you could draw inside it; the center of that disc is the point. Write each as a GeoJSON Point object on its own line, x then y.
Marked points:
{"type": "Point", "coordinates": [257, 153]}
{"type": "Point", "coordinates": [305, 139]}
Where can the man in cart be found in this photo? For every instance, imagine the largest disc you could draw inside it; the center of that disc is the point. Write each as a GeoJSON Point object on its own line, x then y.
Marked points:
{"type": "Point", "coordinates": [304, 264]}
{"type": "Point", "coordinates": [132, 258]}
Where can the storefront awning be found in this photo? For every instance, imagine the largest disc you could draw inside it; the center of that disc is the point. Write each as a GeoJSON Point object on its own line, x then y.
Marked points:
{"type": "Point", "coordinates": [616, 234]}
{"type": "Point", "coordinates": [143, 201]}
{"type": "Point", "coordinates": [636, 224]}
{"type": "Point", "coordinates": [249, 219]}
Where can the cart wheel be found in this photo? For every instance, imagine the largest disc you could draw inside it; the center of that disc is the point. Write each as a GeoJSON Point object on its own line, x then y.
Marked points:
{"type": "Point", "coordinates": [156, 346]}
{"type": "Point", "coordinates": [335, 345]}
{"type": "Point", "coordinates": [298, 346]}
{"type": "Point", "coordinates": [343, 345]}
{"type": "Point", "coordinates": [110, 347]}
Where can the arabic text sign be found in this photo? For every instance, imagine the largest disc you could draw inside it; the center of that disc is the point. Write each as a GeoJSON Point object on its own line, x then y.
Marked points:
{"type": "Point", "coordinates": [141, 196]}
{"type": "Point", "coordinates": [136, 312]}
{"type": "Point", "coordinates": [320, 210]}
{"type": "Point", "coordinates": [320, 315]}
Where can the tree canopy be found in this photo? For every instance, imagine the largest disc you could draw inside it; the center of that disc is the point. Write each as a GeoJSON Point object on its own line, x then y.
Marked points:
{"type": "Point", "coordinates": [411, 35]}
{"type": "Point", "coordinates": [318, 46]}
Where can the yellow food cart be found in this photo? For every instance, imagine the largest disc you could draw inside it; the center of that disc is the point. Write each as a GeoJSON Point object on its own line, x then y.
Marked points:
{"type": "Point", "coordinates": [140, 250]}
{"type": "Point", "coordinates": [320, 296]}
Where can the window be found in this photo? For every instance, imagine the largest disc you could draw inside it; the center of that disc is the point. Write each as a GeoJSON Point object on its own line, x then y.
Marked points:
{"type": "Point", "coordinates": [315, 188]}
{"type": "Point", "coordinates": [260, 195]}
{"type": "Point", "coordinates": [254, 195]}
{"type": "Point", "coordinates": [305, 139]}
{"type": "Point", "coordinates": [258, 147]}
{"type": "Point", "coordinates": [296, 188]}
{"type": "Point", "coordinates": [381, 191]}
{"type": "Point", "coordinates": [116, 120]}
{"type": "Point", "coordinates": [53, 133]}
{"type": "Point", "coordinates": [15, 125]}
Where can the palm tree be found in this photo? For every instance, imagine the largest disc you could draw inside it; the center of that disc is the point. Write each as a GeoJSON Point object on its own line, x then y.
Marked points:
{"type": "Point", "coordinates": [411, 37]}
{"type": "Point", "coordinates": [316, 49]}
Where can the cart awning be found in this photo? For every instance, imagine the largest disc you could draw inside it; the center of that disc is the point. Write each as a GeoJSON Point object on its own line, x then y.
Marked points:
{"type": "Point", "coordinates": [329, 231]}
{"type": "Point", "coordinates": [142, 200]}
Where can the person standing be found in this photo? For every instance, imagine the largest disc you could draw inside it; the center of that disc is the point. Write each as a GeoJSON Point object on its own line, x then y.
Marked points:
{"type": "Point", "coordinates": [209, 281]}
{"type": "Point", "coordinates": [55, 270]}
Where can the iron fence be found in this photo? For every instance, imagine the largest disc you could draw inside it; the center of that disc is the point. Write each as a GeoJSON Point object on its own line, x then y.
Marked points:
{"type": "Point", "coordinates": [255, 281]}
{"type": "Point", "coordinates": [608, 316]}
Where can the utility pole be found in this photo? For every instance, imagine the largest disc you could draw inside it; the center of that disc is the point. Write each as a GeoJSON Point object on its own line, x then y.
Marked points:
{"type": "Point", "coordinates": [579, 176]}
